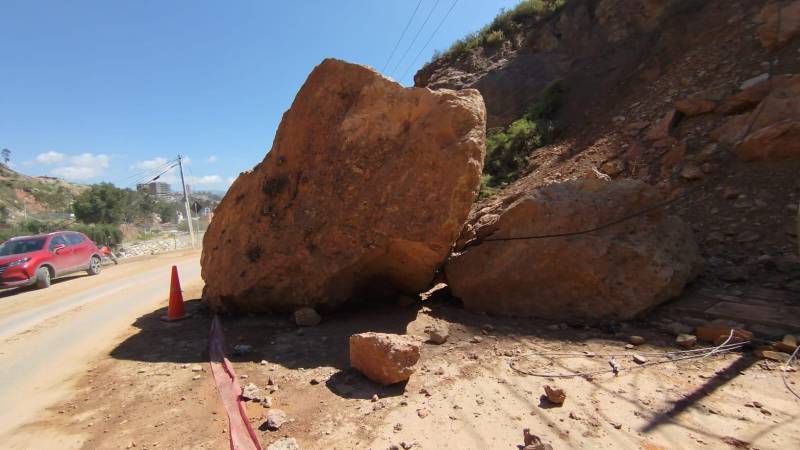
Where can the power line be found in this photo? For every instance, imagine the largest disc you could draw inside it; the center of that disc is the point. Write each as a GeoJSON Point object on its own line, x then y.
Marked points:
{"type": "Point", "coordinates": [402, 35]}
{"type": "Point", "coordinates": [639, 213]}
{"type": "Point", "coordinates": [430, 38]}
{"type": "Point", "coordinates": [416, 36]}
{"type": "Point", "coordinates": [151, 178]}
{"type": "Point", "coordinates": [145, 173]}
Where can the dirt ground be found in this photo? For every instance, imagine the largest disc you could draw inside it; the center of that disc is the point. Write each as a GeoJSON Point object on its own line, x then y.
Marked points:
{"type": "Point", "coordinates": [154, 390]}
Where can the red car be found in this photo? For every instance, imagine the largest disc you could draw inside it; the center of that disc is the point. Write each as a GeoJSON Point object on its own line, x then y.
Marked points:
{"type": "Point", "coordinates": [29, 260]}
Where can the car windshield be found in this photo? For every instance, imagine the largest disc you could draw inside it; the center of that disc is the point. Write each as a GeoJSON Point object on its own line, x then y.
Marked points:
{"type": "Point", "coordinates": [19, 246]}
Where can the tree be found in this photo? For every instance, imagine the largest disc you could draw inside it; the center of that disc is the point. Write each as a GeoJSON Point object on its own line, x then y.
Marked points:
{"type": "Point", "coordinates": [6, 155]}
{"type": "Point", "coordinates": [167, 211]}
{"type": "Point", "coordinates": [101, 203]}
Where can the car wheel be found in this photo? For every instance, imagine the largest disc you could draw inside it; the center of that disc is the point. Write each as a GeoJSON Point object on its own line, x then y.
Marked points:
{"type": "Point", "coordinates": [43, 278]}
{"type": "Point", "coordinates": [94, 266]}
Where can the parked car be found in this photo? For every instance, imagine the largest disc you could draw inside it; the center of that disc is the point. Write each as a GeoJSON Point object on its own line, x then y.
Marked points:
{"type": "Point", "coordinates": [36, 260]}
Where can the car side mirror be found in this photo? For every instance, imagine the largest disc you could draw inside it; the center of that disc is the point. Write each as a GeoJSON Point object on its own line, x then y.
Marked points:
{"type": "Point", "coordinates": [58, 248]}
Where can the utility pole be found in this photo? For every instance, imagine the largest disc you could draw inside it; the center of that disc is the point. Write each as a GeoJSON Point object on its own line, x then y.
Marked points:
{"type": "Point", "coordinates": [186, 203]}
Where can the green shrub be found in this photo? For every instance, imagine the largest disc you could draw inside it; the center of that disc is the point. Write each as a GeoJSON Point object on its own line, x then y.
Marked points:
{"type": "Point", "coordinates": [507, 22]}
{"type": "Point", "coordinates": [507, 149]}
{"type": "Point", "coordinates": [495, 37]}
{"type": "Point", "coordinates": [550, 101]}
{"type": "Point", "coordinates": [487, 188]}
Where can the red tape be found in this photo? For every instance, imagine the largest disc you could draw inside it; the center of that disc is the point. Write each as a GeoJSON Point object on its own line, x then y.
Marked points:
{"type": "Point", "coordinates": [242, 436]}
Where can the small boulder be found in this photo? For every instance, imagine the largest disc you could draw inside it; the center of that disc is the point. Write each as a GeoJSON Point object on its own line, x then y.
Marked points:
{"type": "Point", "coordinates": [438, 333]}
{"type": "Point", "coordinates": [555, 395]}
{"type": "Point", "coordinates": [636, 340]}
{"type": "Point", "coordinates": [275, 419]}
{"type": "Point", "coordinates": [774, 142]}
{"type": "Point", "coordinates": [686, 340]}
{"type": "Point", "coordinates": [613, 168]}
{"type": "Point", "coordinates": [694, 106]}
{"type": "Point", "coordinates": [691, 172]}
{"type": "Point", "coordinates": [307, 317]}
{"type": "Point", "coordinates": [639, 359]}
{"type": "Point", "coordinates": [384, 358]}
{"type": "Point", "coordinates": [663, 128]}
{"type": "Point", "coordinates": [252, 392]}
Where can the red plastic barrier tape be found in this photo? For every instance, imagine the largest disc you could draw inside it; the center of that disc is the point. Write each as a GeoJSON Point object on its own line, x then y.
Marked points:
{"type": "Point", "coordinates": [242, 436]}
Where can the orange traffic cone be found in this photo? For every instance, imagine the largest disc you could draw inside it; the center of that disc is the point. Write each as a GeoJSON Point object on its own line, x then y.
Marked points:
{"type": "Point", "coordinates": [175, 310]}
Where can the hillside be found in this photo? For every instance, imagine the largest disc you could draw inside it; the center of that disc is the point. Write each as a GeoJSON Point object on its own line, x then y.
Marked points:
{"type": "Point", "coordinates": [44, 198]}
{"type": "Point", "coordinates": [694, 97]}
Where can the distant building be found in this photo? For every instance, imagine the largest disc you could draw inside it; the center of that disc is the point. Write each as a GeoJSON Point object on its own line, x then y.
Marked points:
{"type": "Point", "coordinates": [156, 188]}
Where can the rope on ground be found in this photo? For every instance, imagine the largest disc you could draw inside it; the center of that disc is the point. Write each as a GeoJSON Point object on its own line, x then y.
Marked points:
{"type": "Point", "coordinates": [687, 354]}
{"type": "Point", "coordinates": [785, 369]}
{"type": "Point", "coordinates": [730, 336]}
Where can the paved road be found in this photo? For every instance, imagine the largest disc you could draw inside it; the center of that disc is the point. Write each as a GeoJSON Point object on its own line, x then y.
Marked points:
{"type": "Point", "coordinates": [49, 336]}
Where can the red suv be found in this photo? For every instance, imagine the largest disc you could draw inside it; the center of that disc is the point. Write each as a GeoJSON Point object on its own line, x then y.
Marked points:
{"type": "Point", "coordinates": [29, 260]}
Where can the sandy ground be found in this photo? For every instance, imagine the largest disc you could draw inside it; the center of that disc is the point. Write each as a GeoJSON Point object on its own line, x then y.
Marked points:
{"type": "Point", "coordinates": [50, 336]}
{"type": "Point", "coordinates": [154, 389]}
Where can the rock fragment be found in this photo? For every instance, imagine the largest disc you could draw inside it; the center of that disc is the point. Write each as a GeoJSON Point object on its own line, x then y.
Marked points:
{"type": "Point", "coordinates": [384, 358]}
{"type": "Point", "coordinates": [437, 333]}
{"type": "Point", "coordinates": [686, 340]}
{"type": "Point", "coordinates": [555, 395]}
{"type": "Point", "coordinates": [307, 317]}
{"type": "Point", "coordinates": [275, 419]}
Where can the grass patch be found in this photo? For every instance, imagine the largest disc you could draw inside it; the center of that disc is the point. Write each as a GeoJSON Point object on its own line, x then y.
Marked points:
{"type": "Point", "coordinates": [507, 150]}
{"type": "Point", "coordinates": [505, 24]}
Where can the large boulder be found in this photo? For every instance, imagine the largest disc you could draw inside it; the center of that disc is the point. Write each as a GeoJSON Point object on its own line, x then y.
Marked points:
{"type": "Point", "coordinates": [384, 358]}
{"type": "Point", "coordinates": [613, 273]}
{"type": "Point", "coordinates": [362, 195]}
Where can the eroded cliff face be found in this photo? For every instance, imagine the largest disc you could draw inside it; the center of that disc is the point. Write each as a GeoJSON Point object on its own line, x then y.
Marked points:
{"type": "Point", "coordinates": [362, 195]}
{"type": "Point", "coordinates": [586, 38]}
{"type": "Point", "coordinates": [681, 95]}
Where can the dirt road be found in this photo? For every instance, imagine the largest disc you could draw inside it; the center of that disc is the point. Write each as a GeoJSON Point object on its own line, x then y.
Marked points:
{"type": "Point", "coordinates": [49, 336]}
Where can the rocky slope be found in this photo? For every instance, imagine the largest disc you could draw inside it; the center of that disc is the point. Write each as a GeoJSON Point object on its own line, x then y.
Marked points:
{"type": "Point", "coordinates": [692, 97]}
{"type": "Point", "coordinates": [40, 197]}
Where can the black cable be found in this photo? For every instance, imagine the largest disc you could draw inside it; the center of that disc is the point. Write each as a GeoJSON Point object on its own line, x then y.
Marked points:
{"type": "Point", "coordinates": [597, 228]}
{"type": "Point", "coordinates": [145, 173]}
{"type": "Point", "coordinates": [416, 36]}
{"type": "Point", "coordinates": [429, 39]}
{"type": "Point", "coordinates": [402, 35]}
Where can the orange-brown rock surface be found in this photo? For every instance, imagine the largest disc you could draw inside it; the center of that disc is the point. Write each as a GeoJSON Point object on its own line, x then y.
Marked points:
{"type": "Point", "coordinates": [365, 189]}
{"type": "Point", "coordinates": [384, 358]}
{"type": "Point", "coordinates": [613, 273]}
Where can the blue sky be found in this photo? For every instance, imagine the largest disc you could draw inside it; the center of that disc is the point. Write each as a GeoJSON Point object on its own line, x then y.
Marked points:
{"type": "Point", "coordinates": [110, 90]}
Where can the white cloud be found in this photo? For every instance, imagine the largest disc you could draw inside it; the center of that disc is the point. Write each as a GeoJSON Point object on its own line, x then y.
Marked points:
{"type": "Point", "coordinates": [150, 163]}
{"type": "Point", "coordinates": [82, 167]}
{"type": "Point", "coordinates": [205, 179]}
{"type": "Point", "coordinates": [212, 159]}
{"type": "Point", "coordinates": [50, 157]}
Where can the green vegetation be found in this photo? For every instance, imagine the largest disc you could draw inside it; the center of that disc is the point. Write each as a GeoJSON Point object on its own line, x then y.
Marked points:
{"type": "Point", "coordinates": [101, 203]}
{"type": "Point", "coordinates": [507, 22]}
{"type": "Point", "coordinates": [507, 150]}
